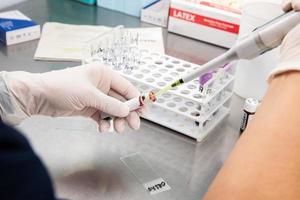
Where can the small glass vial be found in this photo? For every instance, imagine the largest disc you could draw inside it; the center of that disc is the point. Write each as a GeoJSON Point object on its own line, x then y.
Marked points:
{"type": "Point", "coordinates": [250, 108]}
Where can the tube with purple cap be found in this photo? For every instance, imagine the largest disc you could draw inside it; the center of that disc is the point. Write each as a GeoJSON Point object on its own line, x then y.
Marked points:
{"type": "Point", "coordinates": [205, 82]}
{"type": "Point", "coordinates": [204, 79]}
{"type": "Point", "coordinates": [224, 71]}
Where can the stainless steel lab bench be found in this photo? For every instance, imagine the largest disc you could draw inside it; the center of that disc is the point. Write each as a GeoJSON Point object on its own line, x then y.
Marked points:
{"type": "Point", "coordinates": [86, 165]}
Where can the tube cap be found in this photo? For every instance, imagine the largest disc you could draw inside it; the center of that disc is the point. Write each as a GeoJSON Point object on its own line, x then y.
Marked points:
{"type": "Point", "coordinates": [251, 105]}
{"type": "Point", "coordinates": [227, 67]}
{"type": "Point", "coordinates": [205, 78]}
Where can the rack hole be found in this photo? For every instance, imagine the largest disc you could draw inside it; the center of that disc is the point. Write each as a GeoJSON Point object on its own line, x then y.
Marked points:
{"type": "Point", "coordinates": [175, 61]}
{"type": "Point", "coordinates": [189, 103]}
{"type": "Point", "coordinates": [151, 66]}
{"type": "Point", "coordinates": [169, 66]}
{"type": "Point", "coordinates": [171, 105]}
{"type": "Point", "coordinates": [177, 99]}
{"type": "Point", "coordinates": [186, 65]}
{"type": "Point", "coordinates": [180, 69]}
{"type": "Point", "coordinates": [127, 72]}
{"type": "Point", "coordinates": [156, 75]}
{"type": "Point", "coordinates": [148, 58]}
{"type": "Point", "coordinates": [174, 74]}
{"type": "Point", "coordinates": [144, 51]}
{"type": "Point", "coordinates": [143, 87]}
{"type": "Point", "coordinates": [159, 62]}
{"type": "Point", "coordinates": [145, 70]}
{"type": "Point", "coordinates": [160, 100]}
{"type": "Point", "coordinates": [185, 92]}
{"type": "Point", "coordinates": [199, 107]}
{"type": "Point", "coordinates": [150, 80]}
{"type": "Point", "coordinates": [138, 75]}
{"type": "Point", "coordinates": [183, 109]}
{"type": "Point", "coordinates": [191, 87]}
{"type": "Point", "coordinates": [163, 70]}
{"type": "Point", "coordinates": [168, 78]}
{"type": "Point", "coordinates": [166, 95]}
{"type": "Point", "coordinates": [195, 114]}
{"type": "Point", "coordinates": [161, 84]}
{"type": "Point", "coordinates": [197, 96]}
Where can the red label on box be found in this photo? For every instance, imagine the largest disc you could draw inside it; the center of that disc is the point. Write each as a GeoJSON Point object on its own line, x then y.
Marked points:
{"type": "Point", "coordinates": [205, 21]}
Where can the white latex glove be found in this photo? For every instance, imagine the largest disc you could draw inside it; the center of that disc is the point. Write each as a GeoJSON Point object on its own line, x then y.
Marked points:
{"type": "Point", "coordinates": [86, 90]}
{"type": "Point", "coordinates": [288, 5]}
{"type": "Point", "coordinates": [290, 47]}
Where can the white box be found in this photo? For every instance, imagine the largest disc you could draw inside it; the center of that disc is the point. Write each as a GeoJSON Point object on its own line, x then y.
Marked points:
{"type": "Point", "coordinates": [15, 28]}
{"type": "Point", "coordinates": [206, 21]}
{"type": "Point", "coordinates": [130, 7]}
{"type": "Point", "coordinates": [157, 13]}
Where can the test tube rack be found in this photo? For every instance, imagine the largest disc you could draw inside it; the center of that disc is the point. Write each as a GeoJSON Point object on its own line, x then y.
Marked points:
{"type": "Point", "coordinates": [182, 109]}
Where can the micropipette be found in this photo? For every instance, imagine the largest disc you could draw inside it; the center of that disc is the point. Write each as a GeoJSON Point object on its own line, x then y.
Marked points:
{"type": "Point", "coordinates": [261, 40]}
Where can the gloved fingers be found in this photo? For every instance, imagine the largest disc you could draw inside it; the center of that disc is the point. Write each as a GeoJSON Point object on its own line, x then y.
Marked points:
{"type": "Point", "coordinates": [107, 104]}
{"type": "Point", "coordinates": [122, 86]}
{"type": "Point", "coordinates": [286, 5]}
{"type": "Point", "coordinates": [119, 124]}
{"type": "Point", "coordinates": [121, 98]}
{"type": "Point", "coordinates": [289, 50]}
{"type": "Point", "coordinates": [104, 126]}
{"type": "Point", "coordinates": [296, 5]}
{"type": "Point", "coordinates": [116, 95]}
{"type": "Point", "coordinates": [142, 110]}
{"type": "Point", "coordinates": [85, 112]}
{"type": "Point", "coordinates": [133, 120]}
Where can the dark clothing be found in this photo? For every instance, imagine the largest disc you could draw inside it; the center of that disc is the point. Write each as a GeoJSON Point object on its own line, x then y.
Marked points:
{"type": "Point", "coordinates": [22, 174]}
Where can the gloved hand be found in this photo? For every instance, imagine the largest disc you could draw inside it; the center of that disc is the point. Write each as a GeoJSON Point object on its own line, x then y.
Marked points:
{"type": "Point", "coordinates": [290, 47]}
{"type": "Point", "coordinates": [288, 5]}
{"type": "Point", "coordinates": [86, 90]}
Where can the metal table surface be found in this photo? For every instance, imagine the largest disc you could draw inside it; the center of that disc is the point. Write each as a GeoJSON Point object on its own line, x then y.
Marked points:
{"type": "Point", "coordinates": [85, 164]}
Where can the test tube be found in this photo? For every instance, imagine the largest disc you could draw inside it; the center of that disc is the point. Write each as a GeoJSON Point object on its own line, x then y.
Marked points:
{"type": "Point", "coordinates": [204, 82]}
{"type": "Point", "coordinates": [133, 104]}
{"type": "Point", "coordinates": [223, 72]}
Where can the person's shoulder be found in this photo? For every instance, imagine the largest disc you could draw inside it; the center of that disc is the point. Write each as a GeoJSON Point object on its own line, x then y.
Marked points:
{"type": "Point", "coordinates": [9, 135]}
{"type": "Point", "coordinates": [4, 127]}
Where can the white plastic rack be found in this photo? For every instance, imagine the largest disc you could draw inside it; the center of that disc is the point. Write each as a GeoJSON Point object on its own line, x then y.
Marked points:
{"type": "Point", "coordinates": [184, 109]}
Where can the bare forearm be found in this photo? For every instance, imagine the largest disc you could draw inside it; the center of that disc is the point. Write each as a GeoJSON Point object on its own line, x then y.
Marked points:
{"type": "Point", "coordinates": [265, 163]}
